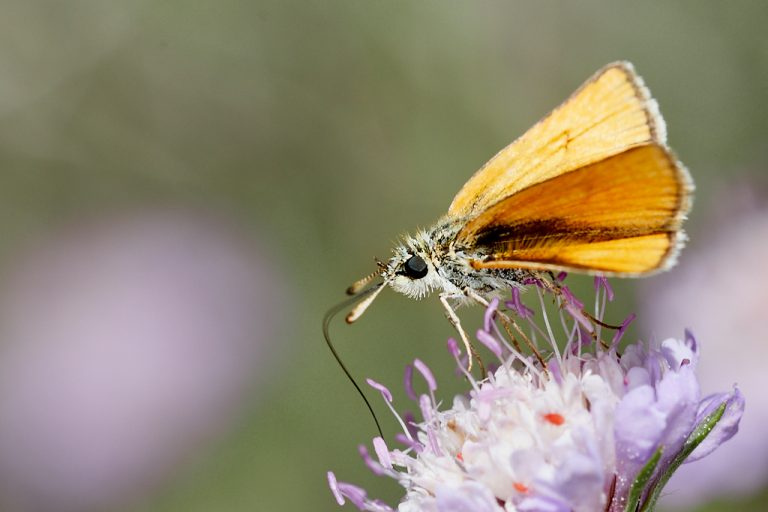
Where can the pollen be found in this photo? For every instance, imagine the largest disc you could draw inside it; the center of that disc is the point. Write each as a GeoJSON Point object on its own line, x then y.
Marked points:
{"type": "Point", "coordinates": [520, 487]}
{"type": "Point", "coordinates": [555, 418]}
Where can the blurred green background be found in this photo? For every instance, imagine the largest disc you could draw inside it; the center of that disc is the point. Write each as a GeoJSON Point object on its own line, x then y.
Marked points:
{"type": "Point", "coordinates": [325, 129]}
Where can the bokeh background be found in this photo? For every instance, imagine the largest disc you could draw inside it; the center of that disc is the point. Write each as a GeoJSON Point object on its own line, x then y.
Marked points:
{"type": "Point", "coordinates": [186, 187]}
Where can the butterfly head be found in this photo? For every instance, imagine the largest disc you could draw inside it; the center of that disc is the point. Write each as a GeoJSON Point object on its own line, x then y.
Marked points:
{"type": "Point", "coordinates": [412, 271]}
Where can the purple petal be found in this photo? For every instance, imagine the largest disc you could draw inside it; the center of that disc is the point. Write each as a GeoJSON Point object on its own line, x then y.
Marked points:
{"type": "Point", "coordinates": [677, 398]}
{"type": "Point", "coordinates": [490, 342]}
{"type": "Point", "coordinates": [410, 443]}
{"type": "Point", "coordinates": [654, 363]}
{"type": "Point", "coordinates": [410, 423]}
{"type": "Point", "coordinates": [554, 369]}
{"type": "Point", "coordinates": [334, 486]}
{"type": "Point", "coordinates": [490, 311]}
{"type": "Point", "coordinates": [576, 314]}
{"type": "Point", "coordinates": [379, 506]}
{"type": "Point", "coordinates": [469, 496]}
{"type": "Point", "coordinates": [638, 426]}
{"type": "Point", "coordinates": [353, 493]}
{"type": "Point", "coordinates": [561, 276]}
{"type": "Point", "coordinates": [679, 353]}
{"type": "Point", "coordinates": [426, 373]}
{"type": "Point", "coordinates": [453, 347]}
{"type": "Point", "coordinates": [374, 466]}
{"type": "Point", "coordinates": [659, 413]}
{"type": "Point", "coordinates": [581, 480]}
{"type": "Point", "coordinates": [691, 341]}
{"type": "Point", "coordinates": [726, 428]}
{"type": "Point", "coordinates": [602, 282]}
{"type": "Point", "coordinates": [543, 504]}
{"type": "Point", "coordinates": [635, 377]}
{"type": "Point", "coordinates": [408, 383]}
{"type": "Point", "coordinates": [517, 305]}
{"type": "Point", "coordinates": [427, 412]}
{"type": "Point", "coordinates": [343, 490]}
{"type": "Point", "coordinates": [461, 366]}
{"type": "Point", "coordinates": [382, 452]}
{"type": "Point", "coordinates": [381, 388]}
{"type": "Point", "coordinates": [584, 339]}
{"type": "Point", "coordinates": [617, 337]}
{"type": "Point", "coordinates": [570, 298]}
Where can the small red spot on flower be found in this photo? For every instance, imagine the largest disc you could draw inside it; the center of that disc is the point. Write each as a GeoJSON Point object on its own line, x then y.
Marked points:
{"type": "Point", "coordinates": [460, 457]}
{"type": "Point", "coordinates": [685, 362]}
{"type": "Point", "coordinates": [554, 418]}
{"type": "Point", "coordinates": [519, 487]}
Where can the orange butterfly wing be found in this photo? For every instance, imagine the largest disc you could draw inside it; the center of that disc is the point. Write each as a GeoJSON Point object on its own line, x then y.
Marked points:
{"type": "Point", "coordinates": [611, 112]}
{"type": "Point", "coordinates": [621, 215]}
{"type": "Point", "coordinates": [591, 187]}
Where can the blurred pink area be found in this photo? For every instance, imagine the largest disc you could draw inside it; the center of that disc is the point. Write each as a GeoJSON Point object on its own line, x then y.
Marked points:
{"type": "Point", "coordinates": [720, 292]}
{"type": "Point", "coordinates": [125, 344]}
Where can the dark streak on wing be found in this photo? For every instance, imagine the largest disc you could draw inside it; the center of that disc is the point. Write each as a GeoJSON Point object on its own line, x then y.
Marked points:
{"type": "Point", "coordinates": [532, 233]}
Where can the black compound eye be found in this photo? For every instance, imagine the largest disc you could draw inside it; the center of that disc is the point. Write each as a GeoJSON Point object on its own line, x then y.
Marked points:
{"type": "Point", "coordinates": [416, 267]}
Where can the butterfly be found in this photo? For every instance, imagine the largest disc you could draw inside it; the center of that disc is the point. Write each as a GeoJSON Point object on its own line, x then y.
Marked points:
{"type": "Point", "coordinates": [590, 188]}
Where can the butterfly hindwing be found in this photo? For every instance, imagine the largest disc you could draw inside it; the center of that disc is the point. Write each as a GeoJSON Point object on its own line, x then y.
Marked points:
{"type": "Point", "coordinates": [621, 215]}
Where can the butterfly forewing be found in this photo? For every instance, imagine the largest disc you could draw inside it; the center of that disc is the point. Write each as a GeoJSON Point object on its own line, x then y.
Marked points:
{"type": "Point", "coordinates": [609, 114]}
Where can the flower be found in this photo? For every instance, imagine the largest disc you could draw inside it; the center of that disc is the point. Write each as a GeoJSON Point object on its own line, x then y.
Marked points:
{"type": "Point", "coordinates": [129, 343]}
{"type": "Point", "coordinates": [719, 289]}
{"type": "Point", "coordinates": [591, 428]}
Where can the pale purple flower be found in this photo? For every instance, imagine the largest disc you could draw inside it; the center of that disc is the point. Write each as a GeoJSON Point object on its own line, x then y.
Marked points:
{"type": "Point", "coordinates": [720, 289]}
{"type": "Point", "coordinates": [126, 343]}
{"type": "Point", "coordinates": [596, 429]}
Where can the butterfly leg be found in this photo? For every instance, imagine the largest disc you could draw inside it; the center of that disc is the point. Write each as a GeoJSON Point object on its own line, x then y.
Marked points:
{"type": "Point", "coordinates": [454, 319]}
{"type": "Point", "coordinates": [508, 324]}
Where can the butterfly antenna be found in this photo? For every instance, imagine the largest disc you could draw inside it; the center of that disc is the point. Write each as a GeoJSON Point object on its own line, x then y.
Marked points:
{"type": "Point", "coordinates": [326, 324]}
{"type": "Point", "coordinates": [358, 285]}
